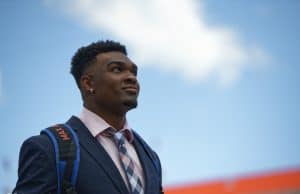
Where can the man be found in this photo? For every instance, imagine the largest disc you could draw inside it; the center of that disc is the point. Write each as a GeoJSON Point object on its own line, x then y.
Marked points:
{"type": "Point", "coordinates": [107, 80]}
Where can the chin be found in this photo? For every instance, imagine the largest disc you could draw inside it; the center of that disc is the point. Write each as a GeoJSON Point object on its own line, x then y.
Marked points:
{"type": "Point", "coordinates": [130, 104]}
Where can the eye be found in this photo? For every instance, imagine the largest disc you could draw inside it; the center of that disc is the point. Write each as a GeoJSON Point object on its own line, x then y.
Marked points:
{"type": "Point", "coordinates": [134, 71]}
{"type": "Point", "coordinates": [116, 69]}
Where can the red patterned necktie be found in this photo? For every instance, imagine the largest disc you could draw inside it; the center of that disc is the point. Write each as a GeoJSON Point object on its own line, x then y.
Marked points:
{"type": "Point", "coordinates": [128, 165]}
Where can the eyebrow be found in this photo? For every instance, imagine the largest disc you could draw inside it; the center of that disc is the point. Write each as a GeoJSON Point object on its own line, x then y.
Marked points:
{"type": "Point", "coordinates": [119, 62]}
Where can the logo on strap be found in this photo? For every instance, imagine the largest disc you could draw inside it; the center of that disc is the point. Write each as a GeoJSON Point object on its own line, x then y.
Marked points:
{"type": "Point", "coordinates": [62, 134]}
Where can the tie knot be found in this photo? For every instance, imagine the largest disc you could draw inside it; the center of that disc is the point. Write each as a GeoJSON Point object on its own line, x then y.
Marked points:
{"type": "Point", "coordinates": [119, 138]}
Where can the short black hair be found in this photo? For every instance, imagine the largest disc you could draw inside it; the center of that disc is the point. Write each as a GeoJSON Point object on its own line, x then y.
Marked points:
{"type": "Point", "coordinates": [85, 55]}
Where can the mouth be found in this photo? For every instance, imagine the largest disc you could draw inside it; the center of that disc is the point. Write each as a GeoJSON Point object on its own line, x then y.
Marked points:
{"type": "Point", "coordinates": [130, 89]}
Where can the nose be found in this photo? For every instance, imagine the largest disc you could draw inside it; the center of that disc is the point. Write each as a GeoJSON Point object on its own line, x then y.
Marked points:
{"type": "Point", "coordinates": [131, 78]}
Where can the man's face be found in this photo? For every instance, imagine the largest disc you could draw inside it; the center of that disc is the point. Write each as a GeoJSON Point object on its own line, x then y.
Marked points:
{"type": "Point", "coordinates": [114, 79]}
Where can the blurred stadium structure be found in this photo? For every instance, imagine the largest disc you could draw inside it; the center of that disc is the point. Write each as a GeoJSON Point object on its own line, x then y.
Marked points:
{"type": "Point", "coordinates": [280, 182]}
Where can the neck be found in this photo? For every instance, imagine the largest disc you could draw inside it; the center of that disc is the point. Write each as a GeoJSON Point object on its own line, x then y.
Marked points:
{"type": "Point", "coordinates": [117, 121]}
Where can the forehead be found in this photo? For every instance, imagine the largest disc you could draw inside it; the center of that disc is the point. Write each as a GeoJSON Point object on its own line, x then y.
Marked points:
{"type": "Point", "coordinates": [107, 57]}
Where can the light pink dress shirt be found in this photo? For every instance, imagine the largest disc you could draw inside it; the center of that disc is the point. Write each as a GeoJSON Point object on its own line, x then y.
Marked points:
{"type": "Point", "coordinates": [96, 125]}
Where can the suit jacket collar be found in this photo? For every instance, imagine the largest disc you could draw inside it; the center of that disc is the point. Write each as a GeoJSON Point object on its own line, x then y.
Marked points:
{"type": "Point", "coordinates": [96, 124]}
{"type": "Point", "coordinates": [148, 167]}
{"type": "Point", "coordinates": [96, 151]}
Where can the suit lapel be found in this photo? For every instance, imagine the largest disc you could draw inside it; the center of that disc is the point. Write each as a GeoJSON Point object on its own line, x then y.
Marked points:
{"type": "Point", "coordinates": [98, 153]}
{"type": "Point", "coordinates": [148, 167]}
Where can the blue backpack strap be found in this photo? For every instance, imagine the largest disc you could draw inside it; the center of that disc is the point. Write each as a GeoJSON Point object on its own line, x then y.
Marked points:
{"type": "Point", "coordinates": [67, 156]}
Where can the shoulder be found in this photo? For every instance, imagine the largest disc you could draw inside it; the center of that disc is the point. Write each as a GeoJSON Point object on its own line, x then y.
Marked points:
{"type": "Point", "coordinates": [42, 142]}
{"type": "Point", "coordinates": [142, 141]}
{"type": "Point", "coordinates": [37, 146]}
{"type": "Point", "coordinates": [39, 142]}
{"type": "Point", "coordinates": [37, 171]}
{"type": "Point", "coordinates": [152, 154]}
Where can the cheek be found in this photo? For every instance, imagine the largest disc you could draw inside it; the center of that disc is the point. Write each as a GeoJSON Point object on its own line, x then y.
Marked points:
{"type": "Point", "coordinates": [109, 86]}
{"type": "Point", "coordinates": [112, 89]}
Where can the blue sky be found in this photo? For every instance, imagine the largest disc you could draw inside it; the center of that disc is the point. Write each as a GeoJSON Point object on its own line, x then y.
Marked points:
{"type": "Point", "coordinates": [219, 79]}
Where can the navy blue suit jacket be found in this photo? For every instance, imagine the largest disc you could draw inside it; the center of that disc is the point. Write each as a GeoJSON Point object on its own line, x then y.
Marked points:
{"type": "Point", "coordinates": [97, 172]}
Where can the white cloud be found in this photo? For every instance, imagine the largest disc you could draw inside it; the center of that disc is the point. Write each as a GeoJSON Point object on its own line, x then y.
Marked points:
{"type": "Point", "coordinates": [171, 35]}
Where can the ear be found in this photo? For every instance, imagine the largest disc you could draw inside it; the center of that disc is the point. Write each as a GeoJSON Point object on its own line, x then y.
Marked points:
{"type": "Point", "coordinates": [86, 84]}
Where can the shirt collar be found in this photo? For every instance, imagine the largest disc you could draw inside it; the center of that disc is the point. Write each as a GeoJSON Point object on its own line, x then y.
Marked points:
{"type": "Point", "coordinates": [97, 124]}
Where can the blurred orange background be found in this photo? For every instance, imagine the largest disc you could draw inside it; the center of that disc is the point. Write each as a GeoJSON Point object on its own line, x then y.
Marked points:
{"type": "Point", "coordinates": [280, 182]}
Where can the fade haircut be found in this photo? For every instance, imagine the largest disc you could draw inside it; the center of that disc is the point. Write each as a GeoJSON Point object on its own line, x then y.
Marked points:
{"type": "Point", "coordinates": [86, 55]}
